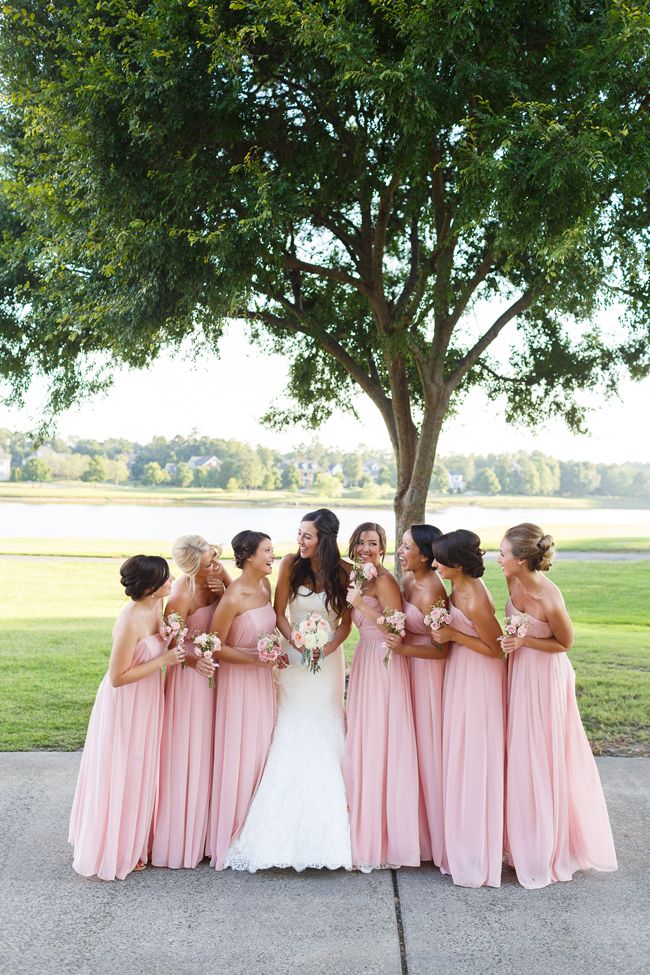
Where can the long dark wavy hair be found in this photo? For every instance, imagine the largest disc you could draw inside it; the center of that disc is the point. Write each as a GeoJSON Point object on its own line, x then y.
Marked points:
{"type": "Point", "coordinates": [331, 574]}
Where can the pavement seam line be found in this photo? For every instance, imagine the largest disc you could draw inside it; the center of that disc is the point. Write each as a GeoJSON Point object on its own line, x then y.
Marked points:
{"type": "Point", "coordinates": [399, 923]}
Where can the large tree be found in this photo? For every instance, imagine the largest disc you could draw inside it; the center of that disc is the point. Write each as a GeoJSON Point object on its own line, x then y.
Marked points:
{"type": "Point", "coordinates": [362, 183]}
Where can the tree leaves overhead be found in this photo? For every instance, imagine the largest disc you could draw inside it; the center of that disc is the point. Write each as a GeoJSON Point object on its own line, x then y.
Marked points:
{"type": "Point", "coordinates": [349, 177]}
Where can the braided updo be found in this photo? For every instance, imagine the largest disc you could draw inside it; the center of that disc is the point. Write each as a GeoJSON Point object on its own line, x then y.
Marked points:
{"type": "Point", "coordinates": [529, 542]}
{"type": "Point", "coordinates": [143, 574]}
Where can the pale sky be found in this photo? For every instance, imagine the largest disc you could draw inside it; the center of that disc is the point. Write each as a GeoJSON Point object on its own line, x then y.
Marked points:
{"type": "Point", "coordinates": [225, 398]}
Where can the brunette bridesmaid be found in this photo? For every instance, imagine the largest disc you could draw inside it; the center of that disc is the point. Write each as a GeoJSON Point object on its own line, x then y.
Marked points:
{"type": "Point", "coordinates": [112, 812]}
{"type": "Point", "coordinates": [422, 588]}
{"type": "Point", "coordinates": [181, 820]}
{"type": "Point", "coordinates": [245, 706]}
{"type": "Point", "coordinates": [473, 718]}
{"type": "Point", "coordinates": [556, 815]}
{"type": "Point", "coordinates": [380, 763]}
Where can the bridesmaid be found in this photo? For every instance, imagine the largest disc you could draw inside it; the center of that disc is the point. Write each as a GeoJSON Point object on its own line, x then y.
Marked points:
{"type": "Point", "coordinates": [380, 764]}
{"type": "Point", "coordinates": [556, 815]}
{"type": "Point", "coordinates": [110, 823]}
{"type": "Point", "coordinates": [422, 587]}
{"type": "Point", "coordinates": [245, 707]}
{"type": "Point", "coordinates": [181, 820]}
{"type": "Point", "coordinates": [473, 718]}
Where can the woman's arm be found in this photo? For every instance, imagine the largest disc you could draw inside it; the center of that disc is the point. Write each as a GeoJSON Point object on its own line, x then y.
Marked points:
{"type": "Point", "coordinates": [561, 628]}
{"type": "Point", "coordinates": [424, 651]}
{"type": "Point", "coordinates": [386, 591]}
{"type": "Point", "coordinates": [282, 592]}
{"type": "Point", "coordinates": [486, 625]}
{"type": "Point", "coordinates": [125, 638]}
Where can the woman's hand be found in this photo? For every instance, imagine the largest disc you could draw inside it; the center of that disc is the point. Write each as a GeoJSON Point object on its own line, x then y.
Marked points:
{"type": "Point", "coordinates": [354, 596]}
{"type": "Point", "coordinates": [395, 642]}
{"type": "Point", "coordinates": [205, 666]}
{"type": "Point", "coordinates": [214, 579]}
{"type": "Point", "coordinates": [173, 655]}
{"type": "Point", "coordinates": [511, 643]}
{"type": "Point", "coordinates": [442, 635]}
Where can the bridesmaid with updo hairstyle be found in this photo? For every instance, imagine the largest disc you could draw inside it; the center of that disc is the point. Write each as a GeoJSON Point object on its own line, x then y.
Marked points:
{"type": "Point", "coordinates": [245, 706]}
{"type": "Point", "coordinates": [113, 806]}
{"type": "Point", "coordinates": [181, 820]}
{"type": "Point", "coordinates": [473, 718]}
{"type": "Point", "coordinates": [422, 588]}
{"type": "Point", "coordinates": [556, 817]}
{"type": "Point", "coordinates": [380, 763]}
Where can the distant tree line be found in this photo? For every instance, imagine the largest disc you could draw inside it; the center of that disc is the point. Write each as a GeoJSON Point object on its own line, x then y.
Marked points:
{"type": "Point", "coordinates": [196, 461]}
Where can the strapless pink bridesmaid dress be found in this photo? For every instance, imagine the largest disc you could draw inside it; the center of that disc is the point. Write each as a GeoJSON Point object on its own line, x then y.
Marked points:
{"type": "Point", "coordinates": [380, 763]}
{"type": "Point", "coordinates": [245, 716]}
{"type": "Point", "coordinates": [473, 746]}
{"type": "Point", "coordinates": [113, 806]}
{"type": "Point", "coordinates": [186, 756]}
{"type": "Point", "coordinates": [426, 694]}
{"type": "Point", "coordinates": [556, 815]}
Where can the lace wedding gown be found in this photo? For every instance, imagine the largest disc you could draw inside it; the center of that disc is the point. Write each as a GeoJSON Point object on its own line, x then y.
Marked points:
{"type": "Point", "coordinates": [299, 815]}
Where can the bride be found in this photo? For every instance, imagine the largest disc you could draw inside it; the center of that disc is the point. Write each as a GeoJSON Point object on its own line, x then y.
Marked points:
{"type": "Point", "coordinates": [299, 815]}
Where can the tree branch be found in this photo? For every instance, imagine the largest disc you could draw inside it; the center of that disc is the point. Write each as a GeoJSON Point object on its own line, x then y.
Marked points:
{"type": "Point", "coordinates": [473, 355]}
{"type": "Point", "coordinates": [379, 237]}
{"type": "Point", "coordinates": [299, 326]}
{"type": "Point", "coordinates": [335, 274]}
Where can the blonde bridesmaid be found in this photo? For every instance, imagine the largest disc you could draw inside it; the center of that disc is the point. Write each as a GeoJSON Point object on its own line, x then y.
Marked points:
{"type": "Point", "coordinates": [556, 815]}
{"type": "Point", "coordinates": [181, 820]}
{"type": "Point", "coordinates": [113, 806]}
{"type": "Point", "coordinates": [380, 763]}
{"type": "Point", "coordinates": [473, 718]}
{"type": "Point", "coordinates": [245, 707]}
{"type": "Point", "coordinates": [422, 587]}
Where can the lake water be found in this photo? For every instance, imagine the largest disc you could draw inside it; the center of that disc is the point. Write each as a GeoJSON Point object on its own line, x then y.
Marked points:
{"type": "Point", "coordinates": [160, 522]}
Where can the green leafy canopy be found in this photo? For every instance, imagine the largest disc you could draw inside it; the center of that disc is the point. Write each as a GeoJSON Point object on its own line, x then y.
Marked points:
{"type": "Point", "coordinates": [349, 178]}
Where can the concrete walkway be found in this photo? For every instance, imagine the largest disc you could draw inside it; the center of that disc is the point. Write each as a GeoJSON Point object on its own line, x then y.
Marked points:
{"type": "Point", "coordinates": [190, 922]}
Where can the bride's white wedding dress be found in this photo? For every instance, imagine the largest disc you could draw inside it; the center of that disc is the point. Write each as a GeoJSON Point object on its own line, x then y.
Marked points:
{"type": "Point", "coordinates": [299, 816]}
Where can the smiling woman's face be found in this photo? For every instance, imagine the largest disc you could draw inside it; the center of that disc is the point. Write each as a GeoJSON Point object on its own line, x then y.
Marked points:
{"type": "Point", "coordinates": [307, 539]}
{"type": "Point", "coordinates": [369, 548]}
{"type": "Point", "coordinates": [264, 559]}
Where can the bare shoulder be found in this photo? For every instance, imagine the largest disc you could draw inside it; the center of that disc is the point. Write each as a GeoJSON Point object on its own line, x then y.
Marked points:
{"type": "Point", "coordinates": [481, 598]}
{"type": "Point", "coordinates": [286, 563]}
{"type": "Point", "coordinates": [128, 624]}
{"type": "Point", "coordinates": [552, 597]}
{"type": "Point", "coordinates": [346, 566]}
{"type": "Point", "coordinates": [266, 586]}
{"type": "Point", "coordinates": [233, 597]}
{"type": "Point", "coordinates": [180, 597]}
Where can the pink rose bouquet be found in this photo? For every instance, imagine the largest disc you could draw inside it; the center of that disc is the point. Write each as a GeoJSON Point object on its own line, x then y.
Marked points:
{"type": "Point", "coordinates": [269, 647]}
{"type": "Point", "coordinates": [311, 634]}
{"type": "Point", "coordinates": [395, 622]}
{"type": "Point", "coordinates": [362, 572]}
{"type": "Point", "coordinates": [204, 646]}
{"type": "Point", "coordinates": [173, 628]}
{"type": "Point", "coordinates": [515, 625]}
{"type": "Point", "coordinates": [437, 616]}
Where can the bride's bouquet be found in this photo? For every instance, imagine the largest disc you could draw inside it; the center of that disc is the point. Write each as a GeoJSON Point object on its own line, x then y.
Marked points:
{"type": "Point", "coordinates": [437, 616]}
{"type": "Point", "coordinates": [173, 628]}
{"type": "Point", "coordinates": [311, 634]}
{"type": "Point", "coordinates": [395, 622]}
{"type": "Point", "coordinates": [515, 625]}
{"type": "Point", "coordinates": [269, 647]}
{"type": "Point", "coordinates": [204, 646]}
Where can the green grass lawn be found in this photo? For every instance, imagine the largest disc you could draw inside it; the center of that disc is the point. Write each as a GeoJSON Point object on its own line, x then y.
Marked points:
{"type": "Point", "coordinates": [56, 629]}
